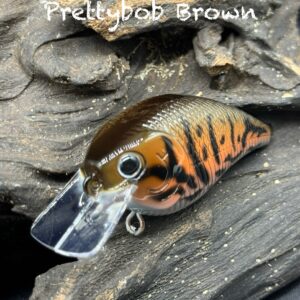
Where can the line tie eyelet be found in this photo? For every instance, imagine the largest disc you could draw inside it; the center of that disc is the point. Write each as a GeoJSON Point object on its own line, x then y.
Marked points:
{"type": "Point", "coordinates": [132, 229]}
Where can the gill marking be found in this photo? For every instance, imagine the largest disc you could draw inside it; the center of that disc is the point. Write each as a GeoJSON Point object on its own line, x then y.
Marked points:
{"type": "Point", "coordinates": [172, 170]}
{"type": "Point", "coordinates": [171, 191]}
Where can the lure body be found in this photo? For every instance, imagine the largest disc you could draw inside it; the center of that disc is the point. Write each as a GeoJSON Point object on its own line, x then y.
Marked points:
{"type": "Point", "coordinates": [161, 155]}
{"type": "Point", "coordinates": [197, 141]}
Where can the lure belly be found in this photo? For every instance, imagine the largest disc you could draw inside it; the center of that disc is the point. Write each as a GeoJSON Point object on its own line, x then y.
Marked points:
{"type": "Point", "coordinates": [155, 158]}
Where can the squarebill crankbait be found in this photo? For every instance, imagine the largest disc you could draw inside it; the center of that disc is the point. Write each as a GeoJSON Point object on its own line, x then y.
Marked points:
{"type": "Point", "coordinates": [155, 158]}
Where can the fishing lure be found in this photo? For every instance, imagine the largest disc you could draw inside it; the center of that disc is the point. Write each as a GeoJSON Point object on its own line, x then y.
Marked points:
{"type": "Point", "coordinates": [155, 158]}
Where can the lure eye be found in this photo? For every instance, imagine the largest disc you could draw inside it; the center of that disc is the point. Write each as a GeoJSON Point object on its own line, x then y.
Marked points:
{"type": "Point", "coordinates": [130, 166]}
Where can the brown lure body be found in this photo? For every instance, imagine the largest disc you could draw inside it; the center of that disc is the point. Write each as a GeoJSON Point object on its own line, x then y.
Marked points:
{"type": "Point", "coordinates": [195, 141]}
{"type": "Point", "coordinates": [154, 158]}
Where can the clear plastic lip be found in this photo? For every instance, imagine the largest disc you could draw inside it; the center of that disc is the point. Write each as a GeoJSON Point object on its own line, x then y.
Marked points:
{"type": "Point", "coordinates": [77, 225]}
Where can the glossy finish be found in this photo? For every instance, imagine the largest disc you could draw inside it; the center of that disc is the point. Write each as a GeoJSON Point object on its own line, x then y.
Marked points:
{"type": "Point", "coordinates": [154, 158]}
{"type": "Point", "coordinates": [187, 144]}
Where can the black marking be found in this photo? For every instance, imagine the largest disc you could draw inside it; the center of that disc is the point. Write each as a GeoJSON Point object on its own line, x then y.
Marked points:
{"type": "Point", "coordinates": [233, 159]}
{"type": "Point", "coordinates": [166, 194]}
{"type": "Point", "coordinates": [204, 153]}
{"type": "Point", "coordinates": [213, 141]}
{"type": "Point", "coordinates": [199, 130]}
{"type": "Point", "coordinates": [192, 197]}
{"type": "Point", "coordinates": [222, 140]}
{"type": "Point", "coordinates": [191, 182]}
{"type": "Point", "coordinates": [180, 191]}
{"type": "Point", "coordinates": [171, 154]}
{"type": "Point", "coordinates": [172, 169]}
{"type": "Point", "coordinates": [220, 172]}
{"type": "Point", "coordinates": [161, 172]}
{"type": "Point", "coordinates": [182, 177]}
{"type": "Point", "coordinates": [231, 132]}
{"type": "Point", "coordinates": [239, 138]}
{"type": "Point", "coordinates": [250, 127]}
{"type": "Point", "coordinates": [178, 172]}
{"type": "Point", "coordinates": [230, 158]}
{"type": "Point", "coordinates": [157, 171]}
{"type": "Point", "coordinates": [199, 167]}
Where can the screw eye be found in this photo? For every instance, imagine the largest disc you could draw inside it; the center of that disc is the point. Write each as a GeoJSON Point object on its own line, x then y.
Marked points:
{"type": "Point", "coordinates": [92, 185]}
{"type": "Point", "coordinates": [130, 165]}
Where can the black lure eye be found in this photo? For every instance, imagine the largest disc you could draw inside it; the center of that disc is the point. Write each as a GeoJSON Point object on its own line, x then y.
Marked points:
{"type": "Point", "coordinates": [130, 165]}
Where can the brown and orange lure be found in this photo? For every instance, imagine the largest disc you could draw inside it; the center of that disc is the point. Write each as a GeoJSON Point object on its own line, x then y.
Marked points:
{"type": "Point", "coordinates": [155, 158]}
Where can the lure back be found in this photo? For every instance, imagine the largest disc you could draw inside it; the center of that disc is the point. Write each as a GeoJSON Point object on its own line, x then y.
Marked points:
{"type": "Point", "coordinates": [154, 158]}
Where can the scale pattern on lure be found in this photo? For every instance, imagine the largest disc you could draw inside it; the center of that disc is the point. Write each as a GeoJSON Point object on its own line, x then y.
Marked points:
{"type": "Point", "coordinates": [154, 158]}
